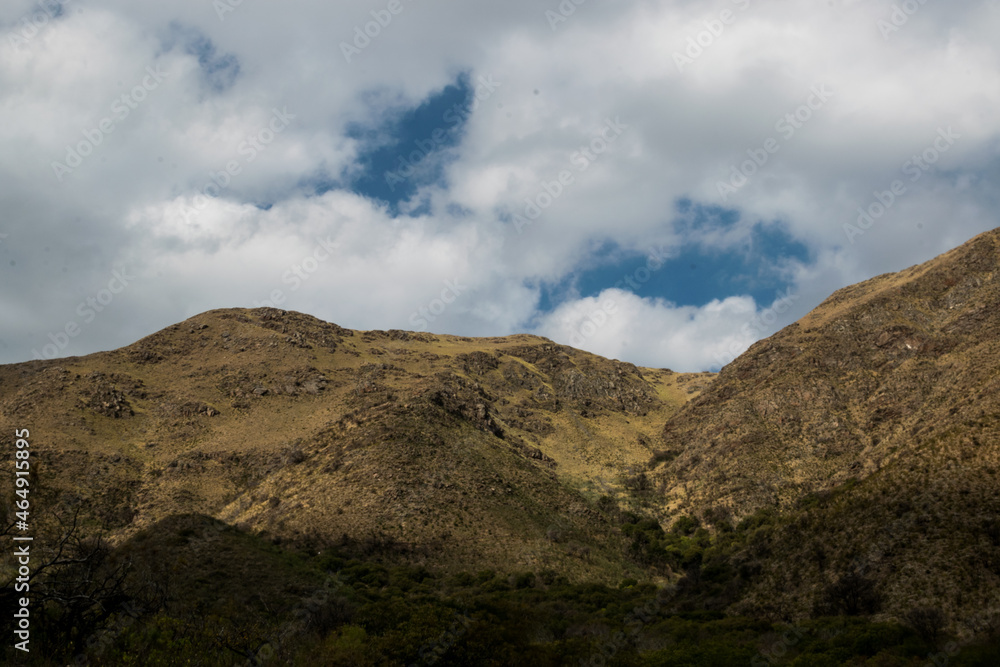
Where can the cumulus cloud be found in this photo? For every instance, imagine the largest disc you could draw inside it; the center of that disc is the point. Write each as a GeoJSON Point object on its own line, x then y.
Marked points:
{"type": "Point", "coordinates": [655, 333]}
{"type": "Point", "coordinates": [602, 122]}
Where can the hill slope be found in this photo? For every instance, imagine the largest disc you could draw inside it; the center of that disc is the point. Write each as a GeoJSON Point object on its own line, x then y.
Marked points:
{"type": "Point", "coordinates": [875, 423]}
{"type": "Point", "coordinates": [468, 449]}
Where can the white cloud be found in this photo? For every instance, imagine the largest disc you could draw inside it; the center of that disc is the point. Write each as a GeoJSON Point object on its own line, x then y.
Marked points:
{"type": "Point", "coordinates": [655, 333]}
{"type": "Point", "coordinates": [686, 129]}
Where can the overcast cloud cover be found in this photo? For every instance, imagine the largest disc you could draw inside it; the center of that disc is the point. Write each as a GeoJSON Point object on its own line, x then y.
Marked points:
{"type": "Point", "coordinates": [117, 116]}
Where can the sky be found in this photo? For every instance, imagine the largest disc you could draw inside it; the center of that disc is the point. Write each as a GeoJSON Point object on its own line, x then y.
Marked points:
{"type": "Point", "coordinates": [662, 183]}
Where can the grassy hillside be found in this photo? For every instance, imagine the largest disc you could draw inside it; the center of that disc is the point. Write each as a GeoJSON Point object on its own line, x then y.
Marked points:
{"type": "Point", "coordinates": [446, 448]}
{"type": "Point", "coordinates": [872, 424]}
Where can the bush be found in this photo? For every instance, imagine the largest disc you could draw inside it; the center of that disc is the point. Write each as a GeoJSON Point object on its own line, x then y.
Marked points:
{"type": "Point", "coordinates": [686, 525]}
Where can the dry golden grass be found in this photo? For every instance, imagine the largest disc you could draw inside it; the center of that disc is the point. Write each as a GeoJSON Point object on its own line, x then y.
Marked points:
{"type": "Point", "coordinates": [452, 451]}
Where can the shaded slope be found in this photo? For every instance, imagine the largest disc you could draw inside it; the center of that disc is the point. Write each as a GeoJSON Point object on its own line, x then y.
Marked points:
{"type": "Point", "coordinates": [874, 424]}
{"type": "Point", "coordinates": [878, 371]}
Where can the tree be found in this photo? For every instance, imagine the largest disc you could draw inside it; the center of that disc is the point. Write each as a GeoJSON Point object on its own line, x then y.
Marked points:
{"type": "Point", "coordinates": [78, 583]}
{"type": "Point", "coordinates": [854, 594]}
{"type": "Point", "coordinates": [928, 622]}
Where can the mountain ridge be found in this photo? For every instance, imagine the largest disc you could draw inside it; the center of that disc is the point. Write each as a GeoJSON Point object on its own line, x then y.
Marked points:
{"type": "Point", "coordinates": [181, 403]}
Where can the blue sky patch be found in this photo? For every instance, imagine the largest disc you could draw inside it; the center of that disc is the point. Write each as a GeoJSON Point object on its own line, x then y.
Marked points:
{"type": "Point", "coordinates": [719, 258]}
{"type": "Point", "coordinates": [219, 71]}
{"type": "Point", "coordinates": [409, 149]}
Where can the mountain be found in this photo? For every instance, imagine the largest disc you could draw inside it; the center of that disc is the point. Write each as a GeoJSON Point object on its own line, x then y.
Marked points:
{"type": "Point", "coordinates": [879, 413]}
{"type": "Point", "coordinates": [300, 430]}
{"type": "Point", "coordinates": [481, 500]}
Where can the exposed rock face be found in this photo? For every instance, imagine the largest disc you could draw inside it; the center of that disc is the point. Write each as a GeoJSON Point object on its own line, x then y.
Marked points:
{"type": "Point", "coordinates": [478, 363]}
{"type": "Point", "coordinates": [105, 395]}
{"type": "Point", "coordinates": [468, 401]}
{"type": "Point", "coordinates": [621, 389]}
{"type": "Point", "coordinates": [616, 386]}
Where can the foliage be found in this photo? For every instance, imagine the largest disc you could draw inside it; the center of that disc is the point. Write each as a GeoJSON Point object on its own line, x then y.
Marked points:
{"type": "Point", "coordinates": [363, 612]}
